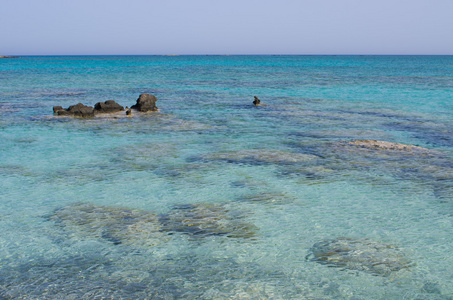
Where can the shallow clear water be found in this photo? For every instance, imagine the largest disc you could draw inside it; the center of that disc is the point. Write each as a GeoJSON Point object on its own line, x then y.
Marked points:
{"type": "Point", "coordinates": [228, 199]}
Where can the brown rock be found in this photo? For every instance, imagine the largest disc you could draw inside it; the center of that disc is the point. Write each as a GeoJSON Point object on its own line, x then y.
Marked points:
{"type": "Point", "coordinates": [78, 110]}
{"type": "Point", "coordinates": [108, 106]}
{"type": "Point", "coordinates": [146, 102]}
{"type": "Point", "coordinates": [56, 109]}
{"type": "Point", "coordinates": [256, 101]}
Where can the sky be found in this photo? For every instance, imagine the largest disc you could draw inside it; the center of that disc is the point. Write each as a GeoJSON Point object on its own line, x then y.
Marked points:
{"type": "Point", "coordinates": [172, 27]}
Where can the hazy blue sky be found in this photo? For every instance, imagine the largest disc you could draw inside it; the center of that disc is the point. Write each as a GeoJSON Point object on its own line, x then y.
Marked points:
{"type": "Point", "coordinates": [226, 27]}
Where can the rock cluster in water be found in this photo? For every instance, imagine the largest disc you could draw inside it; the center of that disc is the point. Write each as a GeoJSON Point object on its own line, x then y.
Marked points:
{"type": "Point", "coordinates": [142, 228]}
{"type": "Point", "coordinates": [359, 254]}
{"type": "Point", "coordinates": [145, 103]}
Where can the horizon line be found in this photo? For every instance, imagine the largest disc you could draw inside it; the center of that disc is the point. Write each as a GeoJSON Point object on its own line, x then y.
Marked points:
{"type": "Point", "coordinates": [29, 55]}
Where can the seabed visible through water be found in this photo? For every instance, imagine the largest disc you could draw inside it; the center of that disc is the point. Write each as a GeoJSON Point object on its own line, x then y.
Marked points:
{"type": "Point", "coordinates": [339, 186]}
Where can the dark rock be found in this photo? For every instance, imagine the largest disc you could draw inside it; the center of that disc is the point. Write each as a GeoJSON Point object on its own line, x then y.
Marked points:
{"type": "Point", "coordinates": [78, 110]}
{"type": "Point", "coordinates": [256, 101]}
{"type": "Point", "coordinates": [146, 102]}
{"type": "Point", "coordinates": [108, 106]}
{"type": "Point", "coordinates": [56, 109]}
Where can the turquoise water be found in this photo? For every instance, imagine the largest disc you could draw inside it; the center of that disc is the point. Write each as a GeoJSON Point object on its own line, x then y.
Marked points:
{"type": "Point", "coordinates": [214, 198]}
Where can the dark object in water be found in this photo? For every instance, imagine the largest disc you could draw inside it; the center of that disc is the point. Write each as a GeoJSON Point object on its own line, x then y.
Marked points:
{"type": "Point", "coordinates": [108, 106]}
{"type": "Point", "coordinates": [78, 110]}
{"type": "Point", "coordinates": [56, 109]}
{"type": "Point", "coordinates": [146, 102]}
{"type": "Point", "coordinates": [256, 101]}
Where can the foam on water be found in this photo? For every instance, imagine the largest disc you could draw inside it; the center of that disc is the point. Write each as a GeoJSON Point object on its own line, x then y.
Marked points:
{"type": "Point", "coordinates": [239, 196]}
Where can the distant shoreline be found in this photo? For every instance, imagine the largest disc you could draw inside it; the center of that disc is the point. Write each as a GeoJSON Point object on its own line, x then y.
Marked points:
{"type": "Point", "coordinates": [7, 56]}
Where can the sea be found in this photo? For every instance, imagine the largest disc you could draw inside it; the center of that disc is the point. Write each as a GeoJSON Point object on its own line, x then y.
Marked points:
{"type": "Point", "coordinates": [338, 185]}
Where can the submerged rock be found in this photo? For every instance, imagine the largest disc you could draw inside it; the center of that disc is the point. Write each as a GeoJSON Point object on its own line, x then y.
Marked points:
{"type": "Point", "coordinates": [117, 225]}
{"type": "Point", "coordinates": [145, 156]}
{"type": "Point", "coordinates": [261, 156]}
{"type": "Point", "coordinates": [399, 160]}
{"type": "Point", "coordinates": [206, 220]}
{"type": "Point", "coordinates": [145, 229]}
{"type": "Point", "coordinates": [146, 102]}
{"type": "Point", "coordinates": [385, 146]}
{"type": "Point", "coordinates": [373, 150]}
{"type": "Point", "coordinates": [359, 254]}
{"type": "Point", "coordinates": [438, 134]}
{"type": "Point", "coordinates": [108, 106]}
{"type": "Point", "coordinates": [267, 197]}
{"type": "Point", "coordinates": [344, 133]}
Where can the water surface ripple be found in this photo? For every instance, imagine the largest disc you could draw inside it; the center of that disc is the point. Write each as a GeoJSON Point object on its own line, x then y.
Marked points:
{"type": "Point", "coordinates": [339, 186]}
